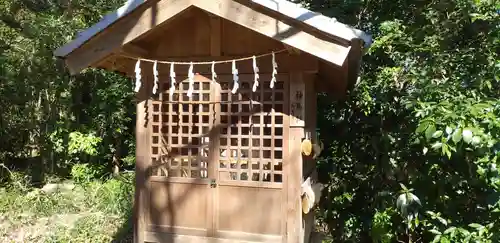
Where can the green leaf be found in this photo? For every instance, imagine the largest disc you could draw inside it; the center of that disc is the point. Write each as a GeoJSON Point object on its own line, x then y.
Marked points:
{"type": "Point", "coordinates": [449, 130]}
{"type": "Point", "coordinates": [415, 199]}
{"type": "Point", "coordinates": [443, 221]}
{"type": "Point", "coordinates": [421, 127]}
{"type": "Point", "coordinates": [437, 145]}
{"type": "Point", "coordinates": [463, 231]}
{"type": "Point", "coordinates": [436, 238]}
{"type": "Point", "coordinates": [425, 150]}
{"type": "Point", "coordinates": [444, 239]}
{"type": "Point", "coordinates": [449, 230]}
{"type": "Point", "coordinates": [403, 187]}
{"type": "Point", "coordinates": [430, 131]}
{"type": "Point", "coordinates": [401, 201]}
{"type": "Point", "coordinates": [446, 150]}
{"type": "Point", "coordinates": [436, 232]}
{"type": "Point", "coordinates": [437, 134]}
{"type": "Point", "coordinates": [476, 226]}
{"type": "Point", "coordinates": [467, 135]}
{"type": "Point", "coordinates": [476, 140]}
{"type": "Point", "coordinates": [457, 136]}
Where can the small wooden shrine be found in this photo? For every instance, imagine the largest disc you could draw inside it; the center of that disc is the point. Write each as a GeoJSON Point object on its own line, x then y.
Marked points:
{"type": "Point", "coordinates": [226, 111]}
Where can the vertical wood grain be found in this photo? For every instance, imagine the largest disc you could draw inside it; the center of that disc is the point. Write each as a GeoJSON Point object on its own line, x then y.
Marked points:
{"type": "Point", "coordinates": [215, 36]}
{"type": "Point", "coordinates": [294, 164]}
{"type": "Point", "coordinates": [143, 157]}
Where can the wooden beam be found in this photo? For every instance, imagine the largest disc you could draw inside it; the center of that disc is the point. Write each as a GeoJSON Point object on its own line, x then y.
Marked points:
{"type": "Point", "coordinates": [215, 36]}
{"type": "Point", "coordinates": [291, 50]}
{"type": "Point", "coordinates": [133, 26]}
{"type": "Point", "coordinates": [133, 49]}
{"type": "Point", "coordinates": [276, 29]}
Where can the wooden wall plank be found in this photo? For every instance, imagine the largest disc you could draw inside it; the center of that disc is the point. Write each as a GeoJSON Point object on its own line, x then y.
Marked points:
{"type": "Point", "coordinates": [215, 36]}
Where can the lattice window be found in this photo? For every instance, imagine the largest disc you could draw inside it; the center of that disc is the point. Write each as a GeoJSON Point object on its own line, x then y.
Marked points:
{"type": "Point", "coordinates": [251, 139]}
{"type": "Point", "coordinates": [251, 134]}
{"type": "Point", "coordinates": [180, 131]}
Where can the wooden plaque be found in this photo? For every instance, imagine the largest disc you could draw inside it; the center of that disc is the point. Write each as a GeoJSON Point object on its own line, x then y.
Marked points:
{"type": "Point", "coordinates": [297, 101]}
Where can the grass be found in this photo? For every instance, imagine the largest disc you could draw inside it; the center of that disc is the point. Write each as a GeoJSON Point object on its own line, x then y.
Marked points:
{"type": "Point", "coordinates": [97, 211]}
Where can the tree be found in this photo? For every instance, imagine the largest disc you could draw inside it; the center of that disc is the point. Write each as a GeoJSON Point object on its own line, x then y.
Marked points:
{"type": "Point", "coordinates": [49, 117]}
{"type": "Point", "coordinates": [426, 115]}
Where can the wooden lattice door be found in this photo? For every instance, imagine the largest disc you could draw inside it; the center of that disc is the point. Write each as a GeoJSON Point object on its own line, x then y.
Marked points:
{"type": "Point", "coordinates": [252, 141]}
{"type": "Point", "coordinates": [182, 128]}
{"type": "Point", "coordinates": [217, 159]}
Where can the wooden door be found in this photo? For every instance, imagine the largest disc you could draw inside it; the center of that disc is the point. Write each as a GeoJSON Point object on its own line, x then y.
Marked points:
{"type": "Point", "coordinates": [180, 195]}
{"type": "Point", "coordinates": [249, 202]}
{"type": "Point", "coordinates": [217, 160]}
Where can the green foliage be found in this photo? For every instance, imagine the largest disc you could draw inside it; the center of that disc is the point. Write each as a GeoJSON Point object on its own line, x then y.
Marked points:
{"type": "Point", "coordinates": [426, 115]}
{"type": "Point", "coordinates": [48, 114]}
{"type": "Point", "coordinates": [382, 227]}
{"type": "Point", "coordinates": [83, 173]}
{"type": "Point", "coordinates": [415, 146]}
{"type": "Point", "coordinates": [94, 212]}
{"type": "Point", "coordinates": [80, 143]}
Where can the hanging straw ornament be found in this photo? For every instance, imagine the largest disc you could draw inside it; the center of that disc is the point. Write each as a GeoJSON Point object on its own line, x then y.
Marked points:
{"type": "Point", "coordinates": [256, 74]}
{"type": "Point", "coordinates": [172, 81]}
{"type": "Point", "coordinates": [191, 80]}
{"type": "Point", "coordinates": [311, 194]}
{"type": "Point", "coordinates": [235, 78]}
{"type": "Point", "coordinates": [155, 73]}
{"type": "Point", "coordinates": [306, 145]}
{"type": "Point", "coordinates": [137, 75]}
{"type": "Point", "coordinates": [214, 75]}
{"type": "Point", "coordinates": [275, 72]}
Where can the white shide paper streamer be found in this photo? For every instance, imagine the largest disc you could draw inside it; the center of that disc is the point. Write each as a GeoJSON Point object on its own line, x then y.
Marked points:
{"type": "Point", "coordinates": [137, 75]}
{"type": "Point", "coordinates": [236, 85]}
{"type": "Point", "coordinates": [214, 75]}
{"type": "Point", "coordinates": [275, 72]}
{"type": "Point", "coordinates": [191, 81]}
{"type": "Point", "coordinates": [155, 73]}
{"type": "Point", "coordinates": [172, 81]}
{"type": "Point", "coordinates": [256, 74]}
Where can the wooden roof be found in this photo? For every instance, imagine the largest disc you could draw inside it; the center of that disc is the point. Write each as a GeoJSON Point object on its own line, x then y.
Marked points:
{"type": "Point", "coordinates": [311, 32]}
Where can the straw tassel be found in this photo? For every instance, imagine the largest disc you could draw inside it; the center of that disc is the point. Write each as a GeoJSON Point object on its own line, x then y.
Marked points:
{"type": "Point", "coordinates": [236, 85]}
{"type": "Point", "coordinates": [138, 75]}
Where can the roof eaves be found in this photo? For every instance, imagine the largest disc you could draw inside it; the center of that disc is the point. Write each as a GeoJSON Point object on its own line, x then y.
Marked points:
{"type": "Point", "coordinates": [105, 22]}
{"type": "Point", "coordinates": [292, 10]}
{"type": "Point", "coordinates": [316, 20]}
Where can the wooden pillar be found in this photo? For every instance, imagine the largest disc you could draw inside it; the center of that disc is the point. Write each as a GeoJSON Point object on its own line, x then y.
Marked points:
{"type": "Point", "coordinates": [294, 163]}
{"type": "Point", "coordinates": [142, 154]}
{"type": "Point", "coordinates": [309, 164]}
